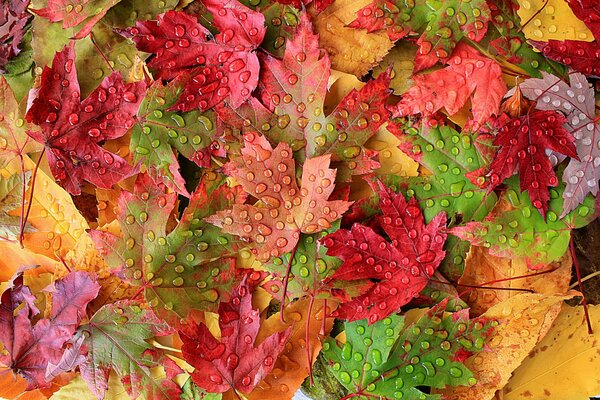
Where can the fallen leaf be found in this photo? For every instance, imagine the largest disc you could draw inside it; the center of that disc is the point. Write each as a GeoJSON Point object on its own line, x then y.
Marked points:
{"type": "Point", "coordinates": [556, 21]}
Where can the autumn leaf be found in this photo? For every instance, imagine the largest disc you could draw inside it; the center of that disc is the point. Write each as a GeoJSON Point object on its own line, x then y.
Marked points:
{"type": "Point", "coordinates": [115, 338]}
{"type": "Point", "coordinates": [401, 268]}
{"type": "Point", "coordinates": [11, 196]}
{"type": "Point", "coordinates": [587, 11]}
{"type": "Point", "coordinates": [559, 22]}
{"type": "Point", "coordinates": [523, 142]}
{"type": "Point", "coordinates": [468, 75]}
{"type": "Point", "coordinates": [71, 15]}
{"type": "Point", "coordinates": [223, 68]}
{"type": "Point", "coordinates": [236, 361]}
{"type": "Point", "coordinates": [403, 359]}
{"type": "Point", "coordinates": [580, 56]}
{"type": "Point", "coordinates": [13, 26]}
{"type": "Point", "coordinates": [177, 271]}
{"type": "Point", "coordinates": [287, 210]}
{"type": "Point", "coordinates": [71, 129]}
{"type": "Point", "coordinates": [31, 347]}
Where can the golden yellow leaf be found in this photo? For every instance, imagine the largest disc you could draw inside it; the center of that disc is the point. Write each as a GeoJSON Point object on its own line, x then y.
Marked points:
{"type": "Point", "coordinates": [13, 257]}
{"type": "Point", "coordinates": [523, 320]}
{"type": "Point", "coordinates": [481, 267]}
{"type": "Point", "coordinates": [351, 50]}
{"type": "Point", "coordinates": [393, 160]}
{"type": "Point", "coordinates": [554, 21]}
{"type": "Point", "coordinates": [565, 364]}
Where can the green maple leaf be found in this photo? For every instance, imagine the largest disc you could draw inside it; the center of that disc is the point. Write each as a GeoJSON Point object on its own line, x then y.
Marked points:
{"type": "Point", "coordinates": [387, 360]}
{"type": "Point", "coordinates": [116, 338]}
{"type": "Point", "coordinates": [160, 132]}
{"type": "Point", "coordinates": [514, 229]}
{"type": "Point", "coordinates": [189, 268]}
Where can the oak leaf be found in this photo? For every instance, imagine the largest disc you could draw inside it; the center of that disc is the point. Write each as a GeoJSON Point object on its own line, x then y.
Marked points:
{"type": "Point", "coordinates": [287, 210]}
{"type": "Point", "coordinates": [72, 129]}
{"type": "Point", "coordinates": [234, 362]}
{"type": "Point", "coordinates": [223, 68]}
{"type": "Point", "coordinates": [401, 268]}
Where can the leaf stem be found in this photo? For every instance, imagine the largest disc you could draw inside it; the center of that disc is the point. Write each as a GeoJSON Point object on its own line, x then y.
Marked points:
{"type": "Point", "coordinates": [286, 281]}
{"type": "Point", "coordinates": [101, 53]}
{"type": "Point", "coordinates": [307, 337]}
{"type": "Point", "coordinates": [578, 273]}
{"type": "Point", "coordinates": [32, 188]}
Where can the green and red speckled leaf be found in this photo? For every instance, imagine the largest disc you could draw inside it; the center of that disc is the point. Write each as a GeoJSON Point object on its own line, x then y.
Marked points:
{"type": "Point", "coordinates": [286, 210]}
{"type": "Point", "coordinates": [402, 360]}
{"type": "Point", "coordinates": [235, 361]}
{"type": "Point", "coordinates": [468, 74]}
{"type": "Point", "coordinates": [401, 268]}
{"type": "Point", "coordinates": [223, 68]}
{"type": "Point", "coordinates": [72, 130]}
{"type": "Point", "coordinates": [442, 24]}
{"type": "Point", "coordinates": [29, 348]}
{"type": "Point", "coordinates": [582, 57]}
{"type": "Point", "coordinates": [73, 13]}
{"type": "Point", "coordinates": [189, 268]}
{"type": "Point", "coordinates": [116, 339]}
{"type": "Point", "coordinates": [523, 142]}
{"type": "Point", "coordinates": [514, 228]}
{"type": "Point", "coordinates": [160, 132]}
{"type": "Point", "coordinates": [291, 107]}
{"type": "Point", "coordinates": [589, 12]}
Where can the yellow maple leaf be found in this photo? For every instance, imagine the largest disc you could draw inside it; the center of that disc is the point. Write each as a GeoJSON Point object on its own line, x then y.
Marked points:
{"type": "Point", "coordinates": [551, 19]}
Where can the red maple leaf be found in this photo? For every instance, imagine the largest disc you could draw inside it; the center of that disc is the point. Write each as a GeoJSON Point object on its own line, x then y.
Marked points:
{"type": "Point", "coordinates": [523, 141]}
{"type": "Point", "coordinates": [468, 75]}
{"type": "Point", "coordinates": [401, 268]}
{"type": "Point", "coordinates": [234, 362]}
{"type": "Point", "coordinates": [589, 12]}
{"type": "Point", "coordinates": [72, 130]}
{"type": "Point", "coordinates": [286, 210]}
{"type": "Point", "coordinates": [580, 56]}
{"type": "Point", "coordinates": [29, 348]}
{"type": "Point", "coordinates": [225, 67]}
{"type": "Point", "coordinates": [13, 21]}
{"type": "Point", "coordinates": [319, 5]}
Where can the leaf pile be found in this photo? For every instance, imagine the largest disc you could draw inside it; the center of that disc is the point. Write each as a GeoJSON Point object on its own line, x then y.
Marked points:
{"type": "Point", "coordinates": [241, 199]}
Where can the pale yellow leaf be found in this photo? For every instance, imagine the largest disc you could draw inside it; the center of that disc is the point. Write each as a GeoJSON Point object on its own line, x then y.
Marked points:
{"type": "Point", "coordinates": [402, 59]}
{"type": "Point", "coordinates": [554, 21]}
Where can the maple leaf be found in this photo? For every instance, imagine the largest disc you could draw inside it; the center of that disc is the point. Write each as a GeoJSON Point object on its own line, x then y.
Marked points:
{"type": "Point", "coordinates": [514, 229]}
{"type": "Point", "coordinates": [72, 15]}
{"type": "Point", "coordinates": [30, 348]}
{"type": "Point", "coordinates": [160, 131]}
{"type": "Point", "coordinates": [468, 75]}
{"type": "Point", "coordinates": [13, 21]}
{"type": "Point", "coordinates": [402, 268]}
{"type": "Point", "coordinates": [292, 92]}
{"type": "Point", "coordinates": [579, 56]}
{"type": "Point", "coordinates": [319, 5]}
{"type": "Point", "coordinates": [116, 338]}
{"type": "Point", "coordinates": [523, 142]}
{"type": "Point", "coordinates": [72, 129]}
{"type": "Point", "coordinates": [286, 210]}
{"type": "Point", "coordinates": [589, 12]}
{"type": "Point", "coordinates": [11, 197]}
{"type": "Point", "coordinates": [223, 68]}
{"type": "Point", "coordinates": [440, 342]}
{"type": "Point", "coordinates": [187, 269]}
{"type": "Point", "coordinates": [234, 362]}
{"type": "Point", "coordinates": [442, 24]}
{"type": "Point", "coordinates": [576, 101]}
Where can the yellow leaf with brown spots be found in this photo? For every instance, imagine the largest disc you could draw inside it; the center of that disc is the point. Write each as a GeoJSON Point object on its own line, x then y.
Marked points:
{"type": "Point", "coordinates": [482, 268]}
{"type": "Point", "coordinates": [523, 320]}
{"type": "Point", "coordinates": [565, 364]}
{"type": "Point", "coordinates": [351, 50]}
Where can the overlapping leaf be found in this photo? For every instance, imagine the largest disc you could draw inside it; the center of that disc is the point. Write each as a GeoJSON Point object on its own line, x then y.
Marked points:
{"type": "Point", "coordinates": [13, 20]}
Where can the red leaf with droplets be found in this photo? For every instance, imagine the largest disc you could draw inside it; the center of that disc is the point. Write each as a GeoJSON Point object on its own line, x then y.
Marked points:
{"type": "Point", "coordinates": [523, 141]}
{"type": "Point", "coordinates": [589, 12]}
{"type": "Point", "coordinates": [225, 67]}
{"type": "Point", "coordinates": [13, 19]}
{"type": "Point", "coordinates": [270, 175]}
{"type": "Point", "coordinates": [468, 75]}
{"type": "Point", "coordinates": [73, 13]}
{"type": "Point", "coordinates": [236, 361]}
{"type": "Point", "coordinates": [583, 57]}
{"type": "Point", "coordinates": [72, 129]}
{"type": "Point", "coordinates": [401, 268]}
{"type": "Point", "coordinates": [319, 5]}
{"type": "Point", "coordinates": [30, 348]}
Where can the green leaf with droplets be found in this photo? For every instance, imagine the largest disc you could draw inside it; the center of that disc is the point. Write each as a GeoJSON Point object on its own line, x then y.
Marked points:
{"type": "Point", "coordinates": [126, 13]}
{"type": "Point", "coordinates": [50, 38]}
{"type": "Point", "coordinates": [160, 132]}
{"type": "Point", "coordinates": [514, 228]}
{"type": "Point", "coordinates": [188, 269]}
{"type": "Point", "coordinates": [387, 361]}
{"type": "Point", "coordinates": [449, 156]}
{"type": "Point", "coordinates": [116, 339]}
